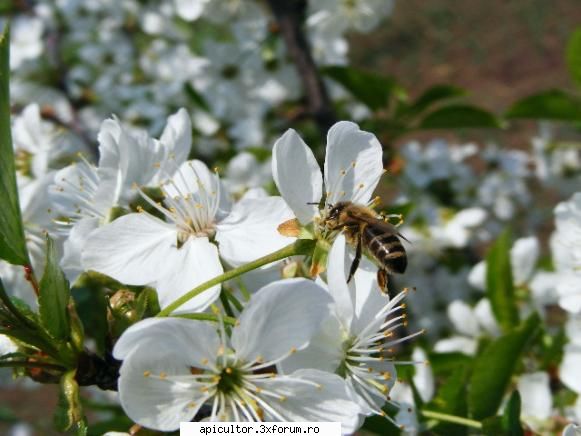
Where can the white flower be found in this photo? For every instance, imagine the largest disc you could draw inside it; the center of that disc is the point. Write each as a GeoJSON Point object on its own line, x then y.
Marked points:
{"type": "Point", "coordinates": [355, 339]}
{"type": "Point", "coordinates": [245, 172]}
{"type": "Point", "coordinates": [26, 40]}
{"type": "Point", "coordinates": [343, 15]}
{"type": "Point", "coordinates": [570, 368]}
{"type": "Point", "coordinates": [353, 167]}
{"type": "Point", "coordinates": [172, 367]}
{"type": "Point", "coordinates": [7, 345]}
{"type": "Point", "coordinates": [471, 324]}
{"type": "Point", "coordinates": [572, 430]}
{"type": "Point", "coordinates": [536, 397]}
{"type": "Point", "coordinates": [177, 254]}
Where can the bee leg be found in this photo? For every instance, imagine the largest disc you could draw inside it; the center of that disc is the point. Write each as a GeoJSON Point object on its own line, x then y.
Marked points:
{"type": "Point", "coordinates": [355, 263]}
{"type": "Point", "coordinates": [382, 280]}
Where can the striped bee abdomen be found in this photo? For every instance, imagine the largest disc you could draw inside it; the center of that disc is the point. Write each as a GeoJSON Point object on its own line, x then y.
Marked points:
{"type": "Point", "coordinates": [386, 248]}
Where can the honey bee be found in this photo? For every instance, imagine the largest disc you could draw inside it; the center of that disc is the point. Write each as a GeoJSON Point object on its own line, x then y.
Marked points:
{"type": "Point", "coordinates": [364, 228]}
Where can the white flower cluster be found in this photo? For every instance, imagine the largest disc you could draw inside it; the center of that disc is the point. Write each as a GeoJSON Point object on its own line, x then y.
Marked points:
{"type": "Point", "coordinates": [145, 215]}
{"type": "Point", "coordinates": [141, 60]}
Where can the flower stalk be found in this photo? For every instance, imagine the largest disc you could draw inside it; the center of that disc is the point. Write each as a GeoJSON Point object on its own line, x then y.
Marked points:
{"type": "Point", "coordinates": [300, 246]}
{"type": "Point", "coordinates": [452, 418]}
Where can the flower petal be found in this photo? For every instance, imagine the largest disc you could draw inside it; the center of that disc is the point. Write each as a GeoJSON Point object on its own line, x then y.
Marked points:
{"type": "Point", "coordinates": [297, 175]}
{"type": "Point", "coordinates": [337, 268]}
{"type": "Point", "coordinates": [324, 397]}
{"type": "Point", "coordinates": [280, 317]}
{"type": "Point", "coordinates": [72, 247]}
{"type": "Point", "coordinates": [523, 255]}
{"type": "Point", "coordinates": [535, 392]}
{"type": "Point", "coordinates": [156, 386]}
{"type": "Point", "coordinates": [177, 137]}
{"type": "Point", "coordinates": [197, 263]}
{"type": "Point", "coordinates": [463, 318]}
{"type": "Point", "coordinates": [196, 342]}
{"type": "Point", "coordinates": [325, 350]}
{"type": "Point", "coordinates": [570, 369]}
{"type": "Point", "coordinates": [250, 230]}
{"type": "Point", "coordinates": [353, 164]}
{"type": "Point", "coordinates": [136, 249]}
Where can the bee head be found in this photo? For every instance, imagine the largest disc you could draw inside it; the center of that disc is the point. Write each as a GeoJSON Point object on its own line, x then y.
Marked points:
{"type": "Point", "coordinates": [335, 211]}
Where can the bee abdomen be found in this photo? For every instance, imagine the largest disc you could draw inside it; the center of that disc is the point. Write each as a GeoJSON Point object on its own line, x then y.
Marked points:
{"type": "Point", "coordinates": [386, 248]}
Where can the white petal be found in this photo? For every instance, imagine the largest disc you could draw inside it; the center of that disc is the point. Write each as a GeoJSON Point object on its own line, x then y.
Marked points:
{"type": "Point", "coordinates": [177, 137]}
{"type": "Point", "coordinates": [297, 175]}
{"type": "Point", "coordinates": [462, 316]}
{"type": "Point", "coordinates": [424, 377]}
{"type": "Point", "coordinates": [459, 344]}
{"type": "Point", "coordinates": [569, 291]}
{"type": "Point", "coordinates": [477, 276]}
{"type": "Point", "coordinates": [536, 396]}
{"type": "Point", "coordinates": [71, 260]}
{"type": "Point", "coordinates": [348, 146]}
{"type": "Point", "coordinates": [190, 10]}
{"type": "Point", "coordinates": [572, 430]}
{"type": "Point", "coordinates": [325, 350]}
{"type": "Point", "coordinates": [523, 255]}
{"type": "Point", "coordinates": [136, 249]}
{"type": "Point", "coordinates": [337, 274]}
{"type": "Point", "coordinates": [193, 341]}
{"type": "Point", "coordinates": [156, 387]}
{"type": "Point", "coordinates": [486, 318]}
{"type": "Point", "coordinates": [7, 345]}
{"type": "Point", "coordinates": [570, 369]}
{"type": "Point", "coordinates": [330, 401]}
{"type": "Point", "coordinates": [196, 263]}
{"type": "Point", "coordinates": [250, 229]}
{"type": "Point", "coordinates": [282, 316]}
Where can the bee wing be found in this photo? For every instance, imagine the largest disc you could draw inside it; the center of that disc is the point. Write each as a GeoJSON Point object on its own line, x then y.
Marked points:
{"type": "Point", "coordinates": [379, 223]}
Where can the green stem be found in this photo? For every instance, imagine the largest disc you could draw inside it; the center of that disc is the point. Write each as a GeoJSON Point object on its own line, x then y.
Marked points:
{"type": "Point", "coordinates": [206, 317]}
{"type": "Point", "coordinates": [452, 418]}
{"type": "Point", "coordinates": [301, 246]}
{"type": "Point", "coordinates": [27, 364]}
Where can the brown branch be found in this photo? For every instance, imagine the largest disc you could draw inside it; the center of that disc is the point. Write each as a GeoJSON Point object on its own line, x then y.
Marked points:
{"type": "Point", "coordinates": [290, 16]}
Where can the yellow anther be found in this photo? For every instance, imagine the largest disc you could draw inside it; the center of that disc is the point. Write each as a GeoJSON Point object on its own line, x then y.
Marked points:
{"type": "Point", "coordinates": [228, 370]}
{"type": "Point", "coordinates": [204, 361]}
{"type": "Point", "coordinates": [282, 398]}
{"type": "Point", "coordinates": [146, 373]}
{"type": "Point", "coordinates": [162, 375]}
{"type": "Point", "coordinates": [293, 350]}
{"type": "Point", "coordinates": [386, 375]}
{"type": "Point", "coordinates": [258, 390]}
{"type": "Point", "coordinates": [353, 164]}
{"type": "Point", "coordinates": [221, 350]}
{"type": "Point", "coordinates": [157, 165]}
{"type": "Point", "coordinates": [361, 186]}
{"type": "Point", "coordinates": [342, 172]}
{"type": "Point", "coordinates": [319, 387]}
{"type": "Point", "coordinates": [191, 405]}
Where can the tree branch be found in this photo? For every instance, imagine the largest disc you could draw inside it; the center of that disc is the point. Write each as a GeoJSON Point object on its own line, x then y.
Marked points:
{"type": "Point", "coordinates": [290, 16]}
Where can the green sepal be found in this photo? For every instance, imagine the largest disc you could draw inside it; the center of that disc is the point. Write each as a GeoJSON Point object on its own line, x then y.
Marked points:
{"type": "Point", "coordinates": [69, 413]}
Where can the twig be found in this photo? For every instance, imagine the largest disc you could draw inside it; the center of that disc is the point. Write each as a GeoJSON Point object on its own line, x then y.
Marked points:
{"type": "Point", "coordinates": [290, 17]}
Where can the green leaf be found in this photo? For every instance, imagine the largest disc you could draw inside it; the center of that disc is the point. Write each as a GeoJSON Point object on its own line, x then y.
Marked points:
{"type": "Point", "coordinates": [499, 283]}
{"type": "Point", "coordinates": [494, 367]}
{"type": "Point", "coordinates": [54, 296]}
{"type": "Point", "coordinates": [69, 412]}
{"type": "Point", "coordinates": [448, 362]}
{"type": "Point", "coordinates": [573, 56]}
{"type": "Point", "coordinates": [373, 90]}
{"type": "Point", "coordinates": [431, 96]}
{"type": "Point", "coordinates": [511, 416]}
{"type": "Point", "coordinates": [12, 242]}
{"type": "Point", "coordinates": [459, 116]}
{"type": "Point", "coordinates": [547, 105]}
